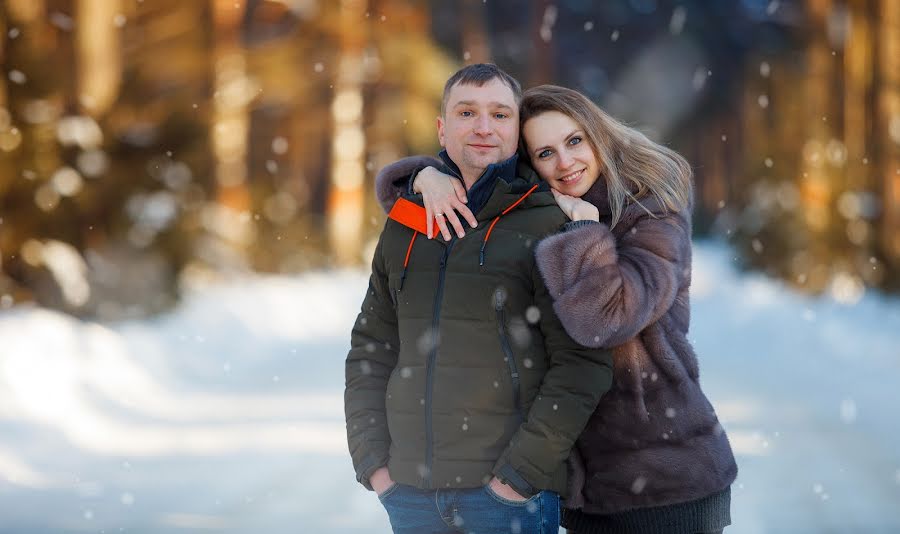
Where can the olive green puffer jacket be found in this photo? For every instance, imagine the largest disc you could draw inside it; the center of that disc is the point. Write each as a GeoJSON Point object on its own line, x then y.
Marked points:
{"type": "Point", "coordinates": [459, 369]}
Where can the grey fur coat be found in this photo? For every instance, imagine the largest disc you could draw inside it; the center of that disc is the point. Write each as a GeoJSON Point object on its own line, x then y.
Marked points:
{"type": "Point", "coordinates": [654, 439]}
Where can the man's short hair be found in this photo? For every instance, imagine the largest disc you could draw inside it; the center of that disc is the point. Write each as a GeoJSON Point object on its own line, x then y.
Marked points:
{"type": "Point", "coordinates": [478, 75]}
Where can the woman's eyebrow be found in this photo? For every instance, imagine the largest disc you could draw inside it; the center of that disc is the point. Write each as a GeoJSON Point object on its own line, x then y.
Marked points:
{"type": "Point", "coordinates": [573, 133]}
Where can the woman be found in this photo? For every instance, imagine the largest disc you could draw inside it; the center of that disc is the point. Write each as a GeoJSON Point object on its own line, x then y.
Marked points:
{"type": "Point", "coordinates": [653, 457]}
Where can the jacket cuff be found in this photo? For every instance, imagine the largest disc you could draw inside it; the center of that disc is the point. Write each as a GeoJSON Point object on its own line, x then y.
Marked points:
{"type": "Point", "coordinates": [509, 476]}
{"type": "Point", "coordinates": [412, 178]}
{"type": "Point", "coordinates": [368, 466]}
{"type": "Point", "coordinates": [574, 225]}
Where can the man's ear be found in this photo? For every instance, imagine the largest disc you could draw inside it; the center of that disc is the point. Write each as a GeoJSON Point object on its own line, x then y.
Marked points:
{"type": "Point", "coordinates": [440, 129]}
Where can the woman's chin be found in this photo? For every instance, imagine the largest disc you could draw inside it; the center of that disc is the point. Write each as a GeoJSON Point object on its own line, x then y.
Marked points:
{"type": "Point", "coordinates": [571, 190]}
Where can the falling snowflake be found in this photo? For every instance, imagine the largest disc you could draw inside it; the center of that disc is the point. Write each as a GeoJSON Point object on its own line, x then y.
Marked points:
{"type": "Point", "coordinates": [848, 411]}
{"type": "Point", "coordinates": [17, 77]}
{"type": "Point", "coordinates": [676, 23]}
{"type": "Point", "coordinates": [638, 485]}
{"type": "Point", "coordinates": [549, 20]}
{"type": "Point", "coordinates": [280, 145]}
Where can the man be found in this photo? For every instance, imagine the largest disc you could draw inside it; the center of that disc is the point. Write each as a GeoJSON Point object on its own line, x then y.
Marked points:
{"type": "Point", "coordinates": [464, 395]}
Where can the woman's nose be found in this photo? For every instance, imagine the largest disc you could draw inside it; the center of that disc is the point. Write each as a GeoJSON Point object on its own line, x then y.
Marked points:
{"type": "Point", "coordinates": [565, 160]}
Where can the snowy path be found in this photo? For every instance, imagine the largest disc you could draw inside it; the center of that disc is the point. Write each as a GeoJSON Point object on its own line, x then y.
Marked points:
{"type": "Point", "coordinates": [226, 415]}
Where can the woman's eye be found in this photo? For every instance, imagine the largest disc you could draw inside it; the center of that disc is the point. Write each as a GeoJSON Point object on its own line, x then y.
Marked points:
{"type": "Point", "coordinates": [544, 154]}
{"type": "Point", "coordinates": [574, 140]}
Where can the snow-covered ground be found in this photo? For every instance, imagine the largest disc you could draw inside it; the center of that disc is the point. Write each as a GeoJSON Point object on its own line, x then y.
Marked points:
{"type": "Point", "coordinates": [226, 415]}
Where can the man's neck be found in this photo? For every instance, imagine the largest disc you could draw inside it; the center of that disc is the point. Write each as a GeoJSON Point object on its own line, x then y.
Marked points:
{"type": "Point", "coordinates": [469, 179]}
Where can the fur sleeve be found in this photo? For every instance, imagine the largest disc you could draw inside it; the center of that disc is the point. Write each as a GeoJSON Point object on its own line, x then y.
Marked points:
{"type": "Point", "coordinates": [391, 181]}
{"type": "Point", "coordinates": [607, 291]}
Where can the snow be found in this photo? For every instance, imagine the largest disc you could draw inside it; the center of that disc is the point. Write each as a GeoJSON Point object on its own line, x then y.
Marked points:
{"type": "Point", "coordinates": [226, 414]}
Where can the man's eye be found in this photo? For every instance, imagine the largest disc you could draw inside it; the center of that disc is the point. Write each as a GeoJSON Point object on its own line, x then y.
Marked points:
{"type": "Point", "coordinates": [575, 140]}
{"type": "Point", "coordinates": [500, 115]}
{"type": "Point", "coordinates": [545, 154]}
{"type": "Point", "coordinates": [465, 114]}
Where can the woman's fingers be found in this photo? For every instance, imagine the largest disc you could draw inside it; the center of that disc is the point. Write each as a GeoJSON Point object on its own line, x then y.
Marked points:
{"type": "Point", "coordinates": [433, 217]}
{"type": "Point", "coordinates": [442, 224]}
{"type": "Point", "coordinates": [454, 222]}
{"type": "Point", "coordinates": [460, 190]}
{"type": "Point", "coordinates": [565, 202]}
{"type": "Point", "coordinates": [445, 215]}
{"type": "Point", "coordinates": [429, 220]}
{"type": "Point", "coordinates": [466, 214]}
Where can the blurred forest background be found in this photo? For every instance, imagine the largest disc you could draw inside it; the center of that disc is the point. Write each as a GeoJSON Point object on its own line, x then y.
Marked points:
{"type": "Point", "coordinates": [142, 141]}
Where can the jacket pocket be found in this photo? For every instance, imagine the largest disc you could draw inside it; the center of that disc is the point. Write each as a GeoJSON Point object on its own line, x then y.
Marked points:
{"type": "Point", "coordinates": [503, 334]}
{"type": "Point", "coordinates": [503, 500]}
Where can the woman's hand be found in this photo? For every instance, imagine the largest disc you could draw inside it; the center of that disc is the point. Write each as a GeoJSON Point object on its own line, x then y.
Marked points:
{"type": "Point", "coordinates": [575, 208]}
{"type": "Point", "coordinates": [444, 196]}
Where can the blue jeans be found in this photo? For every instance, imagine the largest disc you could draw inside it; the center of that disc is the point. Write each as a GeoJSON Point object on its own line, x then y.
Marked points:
{"type": "Point", "coordinates": [469, 511]}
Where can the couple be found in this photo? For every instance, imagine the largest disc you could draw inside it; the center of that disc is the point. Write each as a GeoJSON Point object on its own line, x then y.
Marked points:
{"type": "Point", "coordinates": [542, 354]}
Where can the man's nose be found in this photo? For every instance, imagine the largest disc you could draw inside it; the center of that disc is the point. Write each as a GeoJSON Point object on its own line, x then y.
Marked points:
{"type": "Point", "coordinates": [482, 125]}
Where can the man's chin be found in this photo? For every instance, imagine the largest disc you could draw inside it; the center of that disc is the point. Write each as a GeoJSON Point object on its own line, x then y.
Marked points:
{"type": "Point", "coordinates": [483, 160]}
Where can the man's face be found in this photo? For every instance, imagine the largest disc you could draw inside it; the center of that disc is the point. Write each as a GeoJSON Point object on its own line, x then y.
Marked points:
{"type": "Point", "coordinates": [480, 126]}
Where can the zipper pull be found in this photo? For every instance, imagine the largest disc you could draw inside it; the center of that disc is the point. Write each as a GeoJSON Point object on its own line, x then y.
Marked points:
{"type": "Point", "coordinates": [499, 298]}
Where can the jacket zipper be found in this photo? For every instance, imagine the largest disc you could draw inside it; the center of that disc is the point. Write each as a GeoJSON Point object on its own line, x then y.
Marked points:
{"type": "Point", "coordinates": [432, 356]}
{"type": "Point", "coordinates": [507, 351]}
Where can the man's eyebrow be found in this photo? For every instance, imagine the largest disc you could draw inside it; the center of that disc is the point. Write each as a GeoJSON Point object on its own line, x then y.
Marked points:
{"type": "Point", "coordinates": [492, 104]}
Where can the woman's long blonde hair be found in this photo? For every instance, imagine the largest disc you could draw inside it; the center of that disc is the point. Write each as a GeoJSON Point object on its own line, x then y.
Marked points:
{"type": "Point", "coordinates": [625, 154]}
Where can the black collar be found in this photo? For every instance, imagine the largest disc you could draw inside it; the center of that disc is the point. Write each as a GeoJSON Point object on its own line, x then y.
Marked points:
{"type": "Point", "coordinates": [481, 190]}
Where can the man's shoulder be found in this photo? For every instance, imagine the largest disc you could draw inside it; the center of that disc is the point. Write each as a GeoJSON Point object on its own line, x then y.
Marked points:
{"type": "Point", "coordinates": [542, 215]}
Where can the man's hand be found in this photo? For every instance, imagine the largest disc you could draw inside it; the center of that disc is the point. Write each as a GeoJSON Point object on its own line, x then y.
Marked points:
{"type": "Point", "coordinates": [575, 208]}
{"type": "Point", "coordinates": [381, 480]}
{"type": "Point", "coordinates": [504, 491]}
{"type": "Point", "coordinates": [443, 195]}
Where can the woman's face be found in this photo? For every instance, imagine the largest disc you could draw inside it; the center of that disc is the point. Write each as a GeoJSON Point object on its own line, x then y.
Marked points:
{"type": "Point", "coordinates": [560, 153]}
